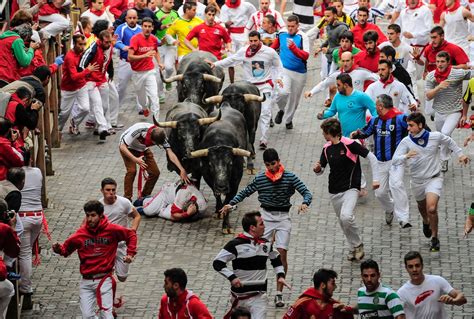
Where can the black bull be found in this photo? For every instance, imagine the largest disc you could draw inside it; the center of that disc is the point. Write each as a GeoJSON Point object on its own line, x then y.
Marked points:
{"type": "Point", "coordinates": [221, 149]}
{"type": "Point", "coordinates": [196, 80]}
{"type": "Point", "coordinates": [244, 97]}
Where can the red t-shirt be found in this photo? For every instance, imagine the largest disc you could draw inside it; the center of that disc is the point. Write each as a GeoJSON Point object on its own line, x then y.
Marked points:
{"type": "Point", "coordinates": [440, 7]}
{"type": "Point", "coordinates": [458, 56]}
{"type": "Point", "coordinates": [142, 45]}
{"type": "Point", "coordinates": [210, 38]}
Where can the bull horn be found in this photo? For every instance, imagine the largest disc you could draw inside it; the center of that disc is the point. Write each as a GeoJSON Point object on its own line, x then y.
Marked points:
{"type": "Point", "coordinates": [253, 97]}
{"type": "Point", "coordinates": [240, 152]}
{"type": "Point", "coordinates": [170, 124]}
{"type": "Point", "coordinates": [200, 153]}
{"type": "Point", "coordinates": [178, 77]}
{"type": "Point", "coordinates": [209, 120]}
{"type": "Point", "coordinates": [212, 78]}
{"type": "Point", "coordinates": [213, 99]}
{"type": "Point", "coordinates": [155, 121]}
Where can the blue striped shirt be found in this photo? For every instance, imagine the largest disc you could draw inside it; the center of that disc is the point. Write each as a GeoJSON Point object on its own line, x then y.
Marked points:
{"type": "Point", "coordinates": [387, 135]}
{"type": "Point", "coordinates": [274, 196]}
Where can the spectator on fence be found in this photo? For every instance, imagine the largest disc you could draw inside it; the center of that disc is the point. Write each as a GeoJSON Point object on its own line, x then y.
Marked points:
{"type": "Point", "coordinates": [36, 82]}
{"type": "Point", "coordinates": [38, 59]}
{"type": "Point", "coordinates": [13, 53]}
{"type": "Point", "coordinates": [51, 12]}
{"type": "Point", "coordinates": [9, 155]}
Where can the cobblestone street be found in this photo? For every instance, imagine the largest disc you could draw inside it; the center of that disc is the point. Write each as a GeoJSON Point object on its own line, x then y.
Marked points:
{"type": "Point", "coordinates": [317, 240]}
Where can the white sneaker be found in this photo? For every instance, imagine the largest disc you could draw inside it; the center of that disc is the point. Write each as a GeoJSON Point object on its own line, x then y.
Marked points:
{"type": "Point", "coordinates": [389, 218]}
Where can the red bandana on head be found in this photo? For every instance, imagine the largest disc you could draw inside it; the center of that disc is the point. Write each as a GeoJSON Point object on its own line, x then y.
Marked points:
{"type": "Point", "coordinates": [232, 5]}
{"type": "Point", "coordinates": [454, 7]}
{"type": "Point", "coordinates": [250, 53]}
{"type": "Point", "coordinates": [387, 81]}
{"type": "Point", "coordinates": [148, 141]}
{"type": "Point", "coordinates": [420, 3]}
{"type": "Point", "coordinates": [441, 76]}
{"type": "Point", "coordinates": [275, 177]}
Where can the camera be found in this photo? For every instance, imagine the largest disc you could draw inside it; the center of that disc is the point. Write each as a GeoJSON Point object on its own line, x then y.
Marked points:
{"type": "Point", "coordinates": [6, 216]}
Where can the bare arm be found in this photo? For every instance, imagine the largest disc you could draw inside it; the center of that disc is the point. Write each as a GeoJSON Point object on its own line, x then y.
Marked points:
{"type": "Point", "coordinates": [135, 218]}
{"type": "Point", "coordinates": [132, 57]}
{"type": "Point", "coordinates": [189, 45]}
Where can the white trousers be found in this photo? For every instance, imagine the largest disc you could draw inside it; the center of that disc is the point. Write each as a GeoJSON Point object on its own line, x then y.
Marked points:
{"type": "Point", "coordinates": [7, 291]}
{"type": "Point", "coordinates": [124, 74]}
{"type": "Point", "coordinates": [401, 207]}
{"type": "Point", "coordinates": [265, 117]}
{"type": "Point", "coordinates": [383, 192]}
{"type": "Point", "coordinates": [344, 204]}
{"type": "Point", "coordinates": [114, 105]}
{"type": "Point", "coordinates": [99, 102]}
{"type": "Point", "coordinates": [168, 55]}
{"type": "Point", "coordinates": [80, 100]}
{"type": "Point", "coordinates": [32, 228]}
{"type": "Point", "coordinates": [88, 300]}
{"type": "Point", "coordinates": [256, 305]}
{"type": "Point", "coordinates": [446, 123]}
{"type": "Point", "coordinates": [121, 267]}
{"type": "Point", "coordinates": [58, 24]}
{"type": "Point", "coordinates": [238, 41]}
{"type": "Point", "coordinates": [290, 95]}
{"type": "Point", "coordinates": [152, 206]}
{"type": "Point", "coordinates": [146, 87]}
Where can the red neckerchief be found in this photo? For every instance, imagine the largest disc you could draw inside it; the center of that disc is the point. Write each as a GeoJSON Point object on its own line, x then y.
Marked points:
{"type": "Point", "coordinates": [354, 66]}
{"type": "Point", "coordinates": [342, 51]}
{"type": "Point", "coordinates": [250, 53]}
{"type": "Point", "coordinates": [441, 76]}
{"type": "Point", "coordinates": [87, 35]}
{"type": "Point", "coordinates": [148, 141]}
{"type": "Point", "coordinates": [420, 3]}
{"type": "Point", "coordinates": [230, 5]}
{"type": "Point", "coordinates": [455, 6]}
{"type": "Point", "coordinates": [390, 114]}
{"type": "Point", "coordinates": [256, 241]}
{"type": "Point", "coordinates": [387, 81]}
{"type": "Point", "coordinates": [275, 177]}
{"type": "Point", "coordinates": [98, 12]}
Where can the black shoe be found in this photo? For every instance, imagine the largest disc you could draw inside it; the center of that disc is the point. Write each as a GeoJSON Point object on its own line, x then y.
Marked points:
{"type": "Point", "coordinates": [427, 230]}
{"type": "Point", "coordinates": [279, 117]}
{"type": "Point", "coordinates": [263, 146]}
{"type": "Point", "coordinates": [434, 244]}
{"type": "Point", "coordinates": [96, 133]}
{"type": "Point", "coordinates": [405, 225]}
{"type": "Point", "coordinates": [27, 302]}
{"type": "Point", "coordinates": [279, 301]}
{"type": "Point", "coordinates": [272, 124]}
{"type": "Point", "coordinates": [102, 136]}
{"type": "Point", "coordinates": [289, 126]}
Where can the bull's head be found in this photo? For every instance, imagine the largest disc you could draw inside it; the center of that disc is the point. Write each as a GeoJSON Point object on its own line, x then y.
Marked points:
{"type": "Point", "coordinates": [194, 84]}
{"type": "Point", "coordinates": [236, 101]}
{"type": "Point", "coordinates": [188, 131]}
{"type": "Point", "coordinates": [219, 160]}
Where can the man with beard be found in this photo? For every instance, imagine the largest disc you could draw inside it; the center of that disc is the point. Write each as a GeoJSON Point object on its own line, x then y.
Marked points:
{"type": "Point", "coordinates": [376, 300]}
{"type": "Point", "coordinates": [97, 286]}
{"type": "Point", "coordinates": [363, 26]}
{"type": "Point", "coordinates": [369, 57]}
{"type": "Point", "coordinates": [269, 61]}
{"type": "Point", "coordinates": [444, 87]}
{"type": "Point", "coordinates": [424, 296]}
{"type": "Point", "coordinates": [275, 188]}
{"type": "Point", "coordinates": [317, 301]}
{"type": "Point", "coordinates": [178, 302]}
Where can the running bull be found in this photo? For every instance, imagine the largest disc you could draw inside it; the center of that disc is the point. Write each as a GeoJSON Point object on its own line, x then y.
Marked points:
{"type": "Point", "coordinates": [186, 122]}
{"type": "Point", "coordinates": [244, 97]}
{"type": "Point", "coordinates": [221, 150]}
{"type": "Point", "coordinates": [196, 80]}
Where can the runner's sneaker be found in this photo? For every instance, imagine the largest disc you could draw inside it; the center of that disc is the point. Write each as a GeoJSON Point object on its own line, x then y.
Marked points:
{"type": "Point", "coordinates": [427, 230]}
{"type": "Point", "coordinates": [263, 146]}
{"type": "Point", "coordinates": [162, 99]}
{"type": "Point", "coordinates": [279, 117]}
{"type": "Point", "coordinates": [434, 244]}
{"type": "Point", "coordinates": [272, 124]}
{"type": "Point", "coordinates": [359, 252]}
{"type": "Point", "coordinates": [279, 301]}
{"type": "Point", "coordinates": [389, 218]}
{"type": "Point", "coordinates": [350, 255]}
{"type": "Point", "coordinates": [89, 125]}
{"type": "Point", "coordinates": [404, 225]}
{"type": "Point", "coordinates": [73, 129]}
{"type": "Point", "coordinates": [168, 86]}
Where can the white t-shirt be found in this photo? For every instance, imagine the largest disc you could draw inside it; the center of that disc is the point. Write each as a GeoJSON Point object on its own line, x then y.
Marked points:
{"type": "Point", "coordinates": [402, 52]}
{"type": "Point", "coordinates": [131, 137]}
{"type": "Point", "coordinates": [31, 192]}
{"type": "Point", "coordinates": [118, 212]}
{"type": "Point", "coordinates": [421, 301]}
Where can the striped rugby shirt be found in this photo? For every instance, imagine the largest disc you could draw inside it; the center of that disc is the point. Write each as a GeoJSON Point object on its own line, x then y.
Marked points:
{"type": "Point", "coordinates": [274, 196]}
{"type": "Point", "coordinates": [249, 263]}
{"type": "Point", "coordinates": [383, 303]}
{"type": "Point", "coordinates": [133, 137]}
{"type": "Point", "coordinates": [449, 100]}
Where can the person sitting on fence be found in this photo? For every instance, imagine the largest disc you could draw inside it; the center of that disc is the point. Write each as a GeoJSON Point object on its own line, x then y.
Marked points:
{"type": "Point", "coordinates": [51, 12]}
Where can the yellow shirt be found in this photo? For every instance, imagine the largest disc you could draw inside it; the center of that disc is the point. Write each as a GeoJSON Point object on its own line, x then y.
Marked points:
{"type": "Point", "coordinates": [181, 28]}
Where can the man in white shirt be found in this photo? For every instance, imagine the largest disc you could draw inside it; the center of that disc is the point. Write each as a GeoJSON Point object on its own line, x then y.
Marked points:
{"type": "Point", "coordinates": [261, 65]}
{"type": "Point", "coordinates": [424, 296]}
{"type": "Point", "coordinates": [256, 20]}
{"type": "Point", "coordinates": [98, 12]}
{"type": "Point", "coordinates": [420, 150]}
{"type": "Point", "coordinates": [118, 210]}
{"type": "Point", "coordinates": [403, 50]}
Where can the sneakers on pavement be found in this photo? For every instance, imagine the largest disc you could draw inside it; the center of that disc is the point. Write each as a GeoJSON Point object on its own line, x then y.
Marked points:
{"type": "Point", "coordinates": [102, 136]}
{"type": "Point", "coordinates": [279, 117]}
{"type": "Point", "coordinates": [444, 166]}
{"type": "Point", "coordinates": [73, 129]}
{"type": "Point", "coordinates": [404, 225]}
{"type": "Point", "coordinates": [168, 86]}
{"type": "Point", "coordinates": [272, 124]}
{"type": "Point", "coordinates": [435, 245]}
{"type": "Point", "coordinates": [389, 218]}
{"type": "Point", "coordinates": [359, 252]}
{"type": "Point", "coordinates": [427, 230]}
{"type": "Point", "coordinates": [279, 301]}
{"type": "Point", "coordinates": [289, 126]}
{"type": "Point", "coordinates": [263, 146]}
